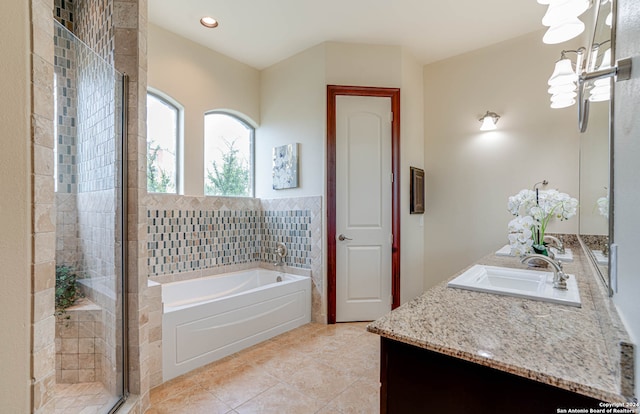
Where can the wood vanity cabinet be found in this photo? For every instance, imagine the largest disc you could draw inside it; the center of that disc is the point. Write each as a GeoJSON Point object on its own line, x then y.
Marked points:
{"type": "Point", "coordinates": [418, 381]}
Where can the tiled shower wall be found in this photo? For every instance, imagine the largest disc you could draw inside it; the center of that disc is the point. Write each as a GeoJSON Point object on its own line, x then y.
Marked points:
{"type": "Point", "coordinates": [66, 102]}
{"type": "Point", "coordinates": [86, 144]}
{"type": "Point", "coordinates": [42, 329]}
{"type": "Point", "coordinates": [96, 206]}
{"type": "Point", "coordinates": [65, 64]}
{"type": "Point", "coordinates": [78, 335]}
{"type": "Point", "coordinates": [86, 128]}
{"type": "Point", "coordinates": [94, 25]}
{"type": "Point", "coordinates": [192, 237]}
{"type": "Point", "coordinates": [96, 126]}
{"type": "Point", "coordinates": [64, 12]}
{"type": "Point", "coordinates": [67, 252]}
{"type": "Point", "coordinates": [116, 30]}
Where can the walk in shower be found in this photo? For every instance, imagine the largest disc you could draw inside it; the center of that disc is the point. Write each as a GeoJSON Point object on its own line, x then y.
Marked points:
{"type": "Point", "coordinates": [90, 335]}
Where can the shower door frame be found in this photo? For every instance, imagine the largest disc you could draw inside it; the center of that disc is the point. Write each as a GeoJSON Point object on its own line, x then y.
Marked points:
{"type": "Point", "coordinates": [124, 281]}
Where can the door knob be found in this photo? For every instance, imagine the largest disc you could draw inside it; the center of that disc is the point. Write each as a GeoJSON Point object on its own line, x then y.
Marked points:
{"type": "Point", "coordinates": [342, 237]}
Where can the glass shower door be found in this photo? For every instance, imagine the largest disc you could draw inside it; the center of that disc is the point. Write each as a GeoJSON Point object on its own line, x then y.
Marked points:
{"type": "Point", "coordinates": [89, 171]}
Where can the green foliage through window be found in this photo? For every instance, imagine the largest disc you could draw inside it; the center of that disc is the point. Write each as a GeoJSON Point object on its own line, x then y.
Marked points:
{"type": "Point", "coordinates": [158, 181]}
{"type": "Point", "coordinates": [229, 177]}
{"type": "Point", "coordinates": [163, 119]}
{"type": "Point", "coordinates": [228, 155]}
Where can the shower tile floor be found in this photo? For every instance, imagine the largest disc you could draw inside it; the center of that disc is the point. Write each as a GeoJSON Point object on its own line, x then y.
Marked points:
{"type": "Point", "coordinates": [312, 369]}
{"type": "Point", "coordinates": [83, 398]}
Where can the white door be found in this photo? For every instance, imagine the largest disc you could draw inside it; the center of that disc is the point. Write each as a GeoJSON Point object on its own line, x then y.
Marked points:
{"type": "Point", "coordinates": [363, 208]}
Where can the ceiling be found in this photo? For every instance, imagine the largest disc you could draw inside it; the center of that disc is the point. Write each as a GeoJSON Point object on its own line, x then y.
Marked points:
{"type": "Point", "coordinates": [263, 32]}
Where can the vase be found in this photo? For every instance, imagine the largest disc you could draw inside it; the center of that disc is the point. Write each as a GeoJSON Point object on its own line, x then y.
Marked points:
{"type": "Point", "coordinates": [539, 263]}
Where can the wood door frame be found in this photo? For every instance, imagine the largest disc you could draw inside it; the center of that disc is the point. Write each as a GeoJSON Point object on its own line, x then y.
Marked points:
{"type": "Point", "coordinates": [333, 91]}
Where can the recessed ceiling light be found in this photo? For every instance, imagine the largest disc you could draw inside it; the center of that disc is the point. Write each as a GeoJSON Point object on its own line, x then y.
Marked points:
{"type": "Point", "coordinates": [209, 22]}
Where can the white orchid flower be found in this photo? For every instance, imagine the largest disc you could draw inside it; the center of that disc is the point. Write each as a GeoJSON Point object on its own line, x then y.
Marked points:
{"type": "Point", "coordinates": [533, 211]}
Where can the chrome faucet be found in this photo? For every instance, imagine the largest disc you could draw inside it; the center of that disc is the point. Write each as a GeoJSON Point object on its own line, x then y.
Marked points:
{"type": "Point", "coordinates": [281, 253]}
{"type": "Point", "coordinates": [559, 276]}
{"type": "Point", "coordinates": [556, 242]}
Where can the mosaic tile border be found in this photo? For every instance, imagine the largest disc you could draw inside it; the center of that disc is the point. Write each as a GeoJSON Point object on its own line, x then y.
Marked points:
{"type": "Point", "coordinates": [314, 205]}
{"type": "Point", "coordinates": [63, 11]}
{"type": "Point", "coordinates": [65, 66]}
{"type": "Point", "coordinates": [187, 240]}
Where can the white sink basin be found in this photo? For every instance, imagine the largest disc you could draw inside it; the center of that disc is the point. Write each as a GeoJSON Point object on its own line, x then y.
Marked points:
{"type": "Point", "coordinates": [565, 257]}
{"type": "Point", "coordinates": [529, 284]}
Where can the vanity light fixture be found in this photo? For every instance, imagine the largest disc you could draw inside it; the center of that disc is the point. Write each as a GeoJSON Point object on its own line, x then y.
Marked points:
{"type": "Point", "coordinates": [489, 121]}
{"type": "Point", "coordinates": [566, 30]}
{"type": "Point", "coordinates": [602, 87]}
{"type": "Point", "coordinates": [209, 22]}
{"type": "Point", "coordinates": [563, 22]}
{"type": "Point", "coordinates": [560, 11]}
{"type": "Point", "coordinates": [563, 82]}
{"type": "Point", "coordinates": [562, 19]}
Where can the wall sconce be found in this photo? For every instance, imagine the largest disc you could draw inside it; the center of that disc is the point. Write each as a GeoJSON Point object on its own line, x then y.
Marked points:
{"type": "Point", "coordinates": [489, 121]}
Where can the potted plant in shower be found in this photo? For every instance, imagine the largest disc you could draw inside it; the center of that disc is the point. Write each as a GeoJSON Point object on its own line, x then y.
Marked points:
{"type": "Point", "coordinates": [67, 291]}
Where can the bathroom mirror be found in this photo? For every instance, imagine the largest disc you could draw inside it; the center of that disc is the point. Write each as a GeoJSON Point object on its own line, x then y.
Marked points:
{"type": "Point", "coordinates": [596, 181]}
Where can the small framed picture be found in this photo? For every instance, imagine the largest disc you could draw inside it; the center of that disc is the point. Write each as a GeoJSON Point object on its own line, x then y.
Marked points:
{"type": "Point", "coordinates": [417, 191]}
{"type": "Point", "coordinates": [285, 166]}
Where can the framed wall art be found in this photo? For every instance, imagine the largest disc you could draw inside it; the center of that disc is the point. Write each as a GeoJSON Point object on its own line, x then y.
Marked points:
{"type": "Point", "coordinates": [417, 191]}
{"type": "Point", "coordinates": [285, 167]}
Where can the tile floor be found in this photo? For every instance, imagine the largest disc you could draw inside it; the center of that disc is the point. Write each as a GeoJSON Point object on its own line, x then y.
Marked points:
{"type": "Point", "coordinates": [313, 369]}
{"type": "Point", "coordinates": [83, 398]}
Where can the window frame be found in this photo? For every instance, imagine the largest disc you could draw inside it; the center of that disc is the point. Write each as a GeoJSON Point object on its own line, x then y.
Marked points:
{"type": "Point", "coordinates": [179, 139]}
{"type": "Point", "coordinates": [252, 156]}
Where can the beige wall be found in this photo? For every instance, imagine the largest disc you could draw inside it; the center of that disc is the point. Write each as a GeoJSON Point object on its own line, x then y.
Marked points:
{"type": "Point", "coordinates": [201, 80]}
{"type": "Point", "coordinates": [627, 174]}
{"type": "Point", "coordinates": [363, 65]}
{"type": "Point", "coordinates": [470, 173]}
{"type": "Point", "coordinates": [391, 66]}
{"type": "Point", "coordinates": [412, 155]}
{"type": "Point", "coordinates": [292, 107]}
{"type": "Point", "coordinates": [15, 209]}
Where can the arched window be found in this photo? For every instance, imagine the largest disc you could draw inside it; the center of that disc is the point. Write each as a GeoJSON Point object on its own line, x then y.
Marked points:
{"type": "Point", "coordinates": [228, 155]}
{"type": "Point", "coordinates": [163, 143]}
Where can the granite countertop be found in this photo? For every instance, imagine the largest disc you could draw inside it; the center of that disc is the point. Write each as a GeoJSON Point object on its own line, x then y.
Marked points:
{"type": "Point", "coordinates": [577, 349]}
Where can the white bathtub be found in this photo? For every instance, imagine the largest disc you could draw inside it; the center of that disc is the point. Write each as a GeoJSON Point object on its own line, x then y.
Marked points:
{"type": "Point", "coordinates": [209, 318]}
